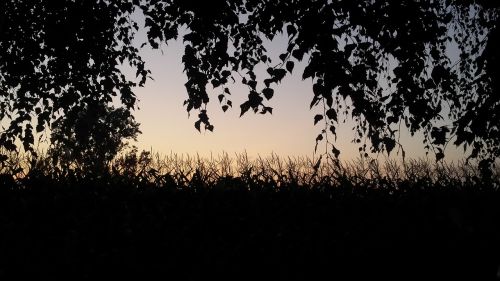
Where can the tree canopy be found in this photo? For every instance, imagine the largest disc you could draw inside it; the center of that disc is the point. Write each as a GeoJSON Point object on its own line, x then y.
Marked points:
{"type": "Point", "coordinates": [385, 64]}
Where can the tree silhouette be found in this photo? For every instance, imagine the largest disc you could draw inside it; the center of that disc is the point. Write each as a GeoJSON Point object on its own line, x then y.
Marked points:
{"type": "Point", "coordinates": [91, 136]}
{"type": "Point", "coordinates": [57, 57]}
{"type": "Point", "coordinates": [383, 64]}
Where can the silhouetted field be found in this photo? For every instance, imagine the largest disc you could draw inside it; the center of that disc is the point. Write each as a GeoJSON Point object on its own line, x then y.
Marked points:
{"type": "Point", "coordinates": [136, 222]}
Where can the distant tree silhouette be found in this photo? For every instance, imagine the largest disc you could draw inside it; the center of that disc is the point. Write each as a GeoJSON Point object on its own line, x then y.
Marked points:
{"type": "Point", "coordinates": [382, 63]}
{"type": "Point", "coordinates": [90, 136]}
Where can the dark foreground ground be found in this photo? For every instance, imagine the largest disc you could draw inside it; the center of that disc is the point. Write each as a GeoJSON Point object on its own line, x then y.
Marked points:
{"type": "Point", "coordinates": [90, 231]}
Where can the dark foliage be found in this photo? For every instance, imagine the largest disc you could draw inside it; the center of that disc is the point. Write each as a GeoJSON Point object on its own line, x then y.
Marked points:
{"type": "Point", "coordinates": [271, 219]}
{"type": "Point", "coordinates": [381, 63]}
{"type": "Point", "coordinates": [89, 137]}
{"type": "Point", "coordinates": [241, 228]}
{"type": "Point", "coordinates": [60, 57]}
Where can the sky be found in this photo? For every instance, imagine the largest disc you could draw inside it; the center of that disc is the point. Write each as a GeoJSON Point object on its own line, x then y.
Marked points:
{"type": "Point", "coordinates": [289, 131]}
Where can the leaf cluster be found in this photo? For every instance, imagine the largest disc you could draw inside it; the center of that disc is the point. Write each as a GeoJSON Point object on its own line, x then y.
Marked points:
{"type": "Point", "coordinates": [382, 64]}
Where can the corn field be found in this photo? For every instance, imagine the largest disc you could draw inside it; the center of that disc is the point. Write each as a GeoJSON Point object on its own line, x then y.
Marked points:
{"type": "Point", "coordinates": [182, 171]}
{"type": "Point", "coordinates": [238, 218]}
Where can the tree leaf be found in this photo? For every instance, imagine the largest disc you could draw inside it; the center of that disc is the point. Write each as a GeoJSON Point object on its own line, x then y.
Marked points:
{"type": "Point", "coordinates": [308, 72]}
{"type": "Point", "coordinates": [438, 73]}
{"type": "Point", "coordinates": [197, 125]}
{"type": "Point", "coordinates": [252, 84]}
{"type": "Point", "coordinates": [266, 109]}
{"type": "Point", "coordinates": [389, 144]}
{"type": "Point", "coordinates": [291, 30]}
{"type": "Point", "coordinates": [335, 151]}
{"type": "Point", "coordinates": [298, 54]}
{"type": "Point", "coordinates": [314, 102]}
{"type": "Point", "coordinates": [268, 82]}
{"type": "Point", "coordinates": [317, 118]}
{"type": "Point", "coordinates": [279, 74]}
{"type": "Point", "coordinates": [289, 66]}
{"type": "Point", "coordinates": [332, 130]}
{"type": "Point", "coordinates": [331, 114]}
{"type": "Point", "coordinates": [244, 108]}
{"type": "Point", "coordinates": [268, 93]}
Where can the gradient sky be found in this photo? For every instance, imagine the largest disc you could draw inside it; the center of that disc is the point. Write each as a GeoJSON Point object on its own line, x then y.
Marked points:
{"type": "Point", "coordinates": [289, 131]}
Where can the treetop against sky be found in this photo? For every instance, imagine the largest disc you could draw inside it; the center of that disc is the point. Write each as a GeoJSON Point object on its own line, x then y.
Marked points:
{"type": "Point", "coordinates": [384, 66]}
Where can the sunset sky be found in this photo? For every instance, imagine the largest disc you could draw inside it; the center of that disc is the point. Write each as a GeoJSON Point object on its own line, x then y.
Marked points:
{"type": "Point", "coordinates": [289, 131]}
